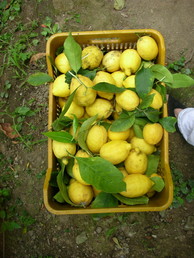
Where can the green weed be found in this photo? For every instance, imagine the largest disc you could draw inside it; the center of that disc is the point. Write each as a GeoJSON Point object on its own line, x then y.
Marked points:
{"type": "Point", "coordinates": [183, 188]}
{"type": "Point", "coordinates": [48, 28]}
{"type": "Point", "coordinates": [179, 66]}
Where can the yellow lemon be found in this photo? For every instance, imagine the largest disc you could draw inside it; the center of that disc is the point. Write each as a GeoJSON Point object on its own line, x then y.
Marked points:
{"type": "Point", "coordinates": [80, 194]}
{"type": "Point", "coordinates": [62, 150]}
{"type": "Point", "coordinates": [62, 63]}
{"type": "Point", "coordinates": [101, 107]}
{"type": "Point", "coordinates": [118, 77]}
{"type": "Point", "coordinates": [91, 57]}
{"type": "Point", "coordinates": [123, 171]}
{"type": "Point", "coordinates": [111, 61]}
{"type": "Point", "coordinates": [74, 134]}
{"type": "Point", "coordinates": [84, 95]}
{"type": "Point", "coordinates": [115, 151]}
{"type": "Point", "coordinates": [81, 154]}
{"type": "Point", "coordinates": [147, 48]}
{"type": "Point", "coordinates": [97, 136]}
{"type": "Point", "coordinates": [60, 87]}
{"type": "Point", "coordinates": [61, 101]}
{"type": "Point", "coordinates": [77, 175]}
{"type": "Point", "coordinates": [131, 134]}
{"type": "Point", "coordinates": [130, 61]}
{"type": "Point", "coordinates": [136, 185]}
{"type": "Point", "coordinates": [152, 133]}
{"type": "Point", "coordinates": [122, 135]}
{"type": "Point", "coordinates": [136, 162]}
{"type": "Point", "coordinates": [128, 100]}
{"type": "Point", "coordinates": [142, 145]}
{"type": "Point", "coordinates": [129, 82]}
{"type": "Point", "coordinates": [102, 76]}
{"type": "Point", "coordinates": [157, 100]}
{"type": "Point", "coordinates": [74, 109]}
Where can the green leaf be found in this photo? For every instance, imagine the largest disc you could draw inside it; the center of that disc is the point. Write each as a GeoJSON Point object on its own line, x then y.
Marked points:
{"type": "Point", "coordinates": [144, 80]}
{"type": "Point", "coordinates": [168, 123]}
{"type": "Point", "coordinates": [162, 90]}
{"type": "Point", "coordinates": [146, 101]}
{"type": "Point", "coordinates": [152, 114]}
{"type": "Point", "coordinates": [22, 110]}
{"type": "Point", "coordinates": [162, 74]}
{"type": "Point", "coordinates": [75, 125]}
{"type": "Point", "coordinates": [153, 162]}
{"type": "Point", "coordinates": [9, 225]}
{"type": "Point", "coordinates": [104, 200]}
{"type": "Point", "coordinates": [69, 76]}
{"type": "Point", "coordinates": [182, 81]}
{"type": "Point", "coordinates": [102, 174]}
{"type": "Point", "coordinates": [53, 179]}
{"type": "Point", "coordinates": [39, 78]}
{"type": "Point", "coordinates": [107, 87]}
{"type": "Point", "coordinates": [69, 167]}
{"type": "Point", "coordinates": [83, 132]}
{"type": "Point", "coordinates": [88, 73]}
{"type": "Point", "coordinates": [138, 131]}
{"type": "Point", "coordinates": [124, 122]}
{"type": "Point", "coordinates": [60, 136]}
{"type": "Point", "coordinates": [58, 197]}
{"type": "Point", "coordinates": [132, 201]}
{"type": "Point", "coordinates": [158, 183]}
{"type": "Point", "coordinates": [63, 188]}
{"type": "Point", "coordinates": [60, 124]}
{"type": "Point", "coordinates": [68, 103]}
{"type": "Point", "coordinates": [73, 53]}
{"type": "Point", "coordinates": [2, 214]}
{"type": "Point", "coordinates": [141, 121]}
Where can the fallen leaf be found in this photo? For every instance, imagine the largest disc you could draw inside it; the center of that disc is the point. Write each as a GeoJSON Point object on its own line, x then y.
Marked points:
{"type": "Point", "coordinates": [115, 240]}
{"type": "Point", "coordinates": [36, 57]}
{"type": "Point", "coordinates": [7, 129]}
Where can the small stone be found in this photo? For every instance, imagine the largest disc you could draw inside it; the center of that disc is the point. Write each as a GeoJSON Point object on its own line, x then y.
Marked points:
{"type": "Point", "coordinates": [81, 238]}
{"type": "Point", "coordinates": [190, 223]}
{"type": "Point", "coordinates": [98, 230]}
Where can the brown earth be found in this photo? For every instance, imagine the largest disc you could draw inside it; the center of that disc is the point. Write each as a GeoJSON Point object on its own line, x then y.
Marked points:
{"type": "Point", "coordinates": [168, 233]}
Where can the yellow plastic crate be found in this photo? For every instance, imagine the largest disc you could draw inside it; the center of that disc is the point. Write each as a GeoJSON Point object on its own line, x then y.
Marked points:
{"type": "Point", "coordinates": [109, 40]}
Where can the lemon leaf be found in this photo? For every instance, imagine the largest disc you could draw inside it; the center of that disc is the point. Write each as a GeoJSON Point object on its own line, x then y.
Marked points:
{"type": "Point", "coordinates": [138, 131]}
{"type": "Point", "coordinates": [124, 122]}
{"type": "Point", "coordinates": [132, 201]}
{"type": "Point", "coordinates": [182, 81]}
{"type": "Point", "coordinates": [162, 73]}
{"type": "Point", "coordinates": [104, 200]}
{"type": "Point", "coordinates": [39, 78]}
{"type": "Point", "coordinates": [83, 132]}
{"type": "Point", "coordinates": [102, 174]}
{"type": "Point", "coordinates": [153, 162]}
{"type": "Point", "coordinates": [144, 80]}
{"type": "Point", "coordinates": [60, 136]}
{"type": "Point", "coordinates": [152, 114]}
{"type": "Point", "coordinates": [146, 101]}
{"type": "Point", "coordinates": [158, 184]}
{"type": "Point", "coordinates": [73, 53]}
{"type": "Point", "coordinates": [58, 197]}
{"type": "Point", "coordinates": [168, 123]}
{"type": "Point", "coordinates": [107, 87]}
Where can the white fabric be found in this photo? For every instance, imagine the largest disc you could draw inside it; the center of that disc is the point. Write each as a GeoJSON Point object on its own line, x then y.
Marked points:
{"type": "Point", "coordinates": [186, 124]}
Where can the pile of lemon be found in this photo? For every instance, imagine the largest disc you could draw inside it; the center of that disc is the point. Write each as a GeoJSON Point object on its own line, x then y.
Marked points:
{"type": "Point", "coordinates": [123, 149]}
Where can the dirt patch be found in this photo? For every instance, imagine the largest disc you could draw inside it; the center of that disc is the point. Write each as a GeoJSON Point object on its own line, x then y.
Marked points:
{"type": "Point", "coordinates": [119, 235]}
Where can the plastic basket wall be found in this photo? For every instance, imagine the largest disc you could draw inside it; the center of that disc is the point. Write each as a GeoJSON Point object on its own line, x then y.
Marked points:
{"type": "Point", "coordinates": [108, 40]}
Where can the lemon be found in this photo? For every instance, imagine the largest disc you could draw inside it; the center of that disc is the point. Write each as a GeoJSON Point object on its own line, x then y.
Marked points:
{"type": "Point", "coordinates": [101, 107]}
{"type": "Point", "coordinates": [61, 149]}
{"type": "Point", "coordinates": [77, 175]}
{"type": "Point", "coordinates": [147, 48]}
{"type": "Point", "coordinates": [129, 82]}
{"type": "Point", "coordinates": [122, 135]}
{"type": "Point", "coordinates": [102, 76]}
{"type": "Point", "coordinates": [81, 154]}
{"type": "Point", "coordinates": [91, 57]}
{"type": "Point", "coordinates": [130, 61]}
{"type": "Point", "coordinates": [136, 185]}
{"type": "Point", "coordinates": [128, 100]}
{"type": "Point", "coordinates": [80, 194]}
{"type": "Point", "coordinates": [84, 95]}
{"type": "Point", "coordinates": [111, 61]}
{"type": "Point", "coordinates": [62, 63]}
{"type": "Point", "coordinates": [131, 134]}
{"type": "Point", "coordinates": [74, 134]}
{"type": "Point", "coordinates": [61, 101]}
{"type": "Point", "coordinates": [152, 133]}
{"type": "Point", "coordinates": [142, 145]}
{"type": "Point", "coordinates": [118, 77]}
{"type": "Point", "coordinates": [157, 100]}
{"type": "Point", "coordinates": [115, 151]}
{"type": "Point", "coordinates": [97, 136]}
{"type": "Point", "coordinates": [123, 171]}
{"type": "Point", "coordinates": [60, 87]}
{"type": "Point", "coordinates": [136, 162]}
{"type": "Point", "coordinates": [74, 109]}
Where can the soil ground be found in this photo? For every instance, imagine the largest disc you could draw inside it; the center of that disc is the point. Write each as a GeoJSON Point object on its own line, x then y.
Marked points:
{"type": "Point", "coordinates": [169, 233]}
